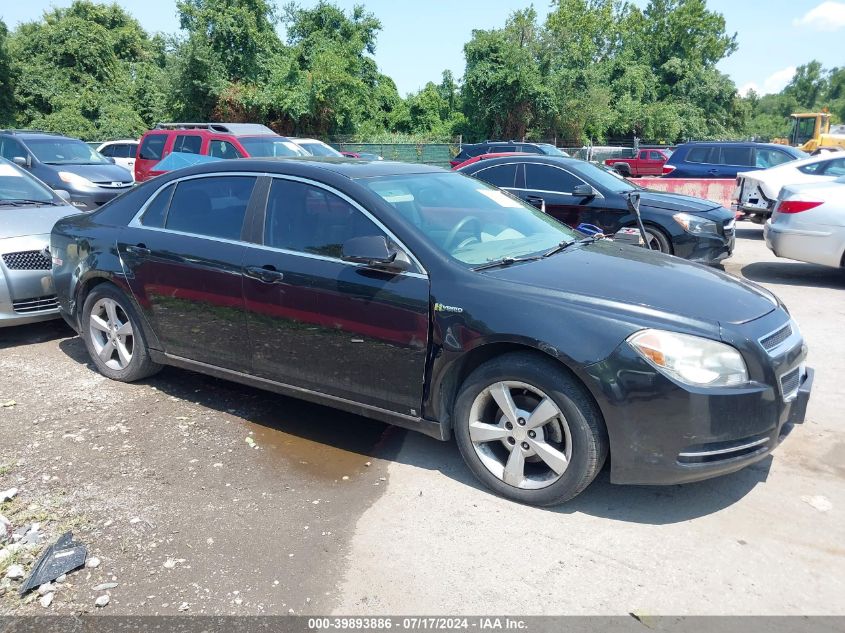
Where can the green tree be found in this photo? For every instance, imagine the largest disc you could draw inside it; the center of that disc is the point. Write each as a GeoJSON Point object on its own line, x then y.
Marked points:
{"type": "Point", "coordinates": [7, 102]}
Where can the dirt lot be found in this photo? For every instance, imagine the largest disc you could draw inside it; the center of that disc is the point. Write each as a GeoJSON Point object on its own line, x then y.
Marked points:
{"type": "Point", "coordinates": [332, 512]}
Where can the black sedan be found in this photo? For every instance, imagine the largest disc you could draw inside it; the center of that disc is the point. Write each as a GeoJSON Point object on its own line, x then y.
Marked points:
{"type": "Point", "coordinates": [438, 303]}
{"type": "Point", "coordinates": [576, 192]}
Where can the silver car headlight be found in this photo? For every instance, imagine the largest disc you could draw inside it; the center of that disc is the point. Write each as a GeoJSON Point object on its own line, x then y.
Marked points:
{"type": "Point", "coordinates": [694, 224]}
{"type": "Point", "coordinates": [692, 360]}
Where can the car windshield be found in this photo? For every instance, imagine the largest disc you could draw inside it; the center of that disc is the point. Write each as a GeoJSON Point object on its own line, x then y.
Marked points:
{"type": "Point", "coordinates": [65, 151]}
{"type": "Point", "coordinates": [16, 185]}
{"type": "Point", "coordinates": [271, 146]}
{"type": "Point", "coordinates": [316, 148]}
{"type": "Point", "coordinates": [468, 219]}
{"type": "Point", "coordinates": [603, 178]}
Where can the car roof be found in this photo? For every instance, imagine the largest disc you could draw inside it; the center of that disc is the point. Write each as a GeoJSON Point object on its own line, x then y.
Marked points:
{"type": "Point", "coordinates": [351, 168]}
{"type": "Point", "coordinates": [526, 158]}
{"type": "Point", "coordinates": [749, 143]}
{"type": "Point", "coordinates": [36, 134]}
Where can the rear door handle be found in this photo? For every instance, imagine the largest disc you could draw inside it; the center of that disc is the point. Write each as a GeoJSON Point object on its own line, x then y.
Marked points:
{"type": "Point", "coordinates": [268, 274]}
{"type": "Point", "coordinates": [138, 249]}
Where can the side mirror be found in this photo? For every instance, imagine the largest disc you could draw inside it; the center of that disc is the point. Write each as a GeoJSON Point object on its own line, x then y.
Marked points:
{"type": "Point", "coordinates": [111, 160]}
{"type": "Point", "coordinates": [374, 251]}
{"type": "Point", "coordinates": [64, 195]}
{"type": "Point", "coordinates": [20, 161]}
{"type": "Point", "coordinates": [584, 190]}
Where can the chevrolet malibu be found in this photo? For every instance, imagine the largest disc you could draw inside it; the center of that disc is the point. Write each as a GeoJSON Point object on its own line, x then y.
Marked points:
{"type": "Point", "coordinates": [436, 302]}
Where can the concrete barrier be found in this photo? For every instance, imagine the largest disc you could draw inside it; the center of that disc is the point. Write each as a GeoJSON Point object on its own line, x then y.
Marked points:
{"type": "Point", "coordinates": [719, 190]}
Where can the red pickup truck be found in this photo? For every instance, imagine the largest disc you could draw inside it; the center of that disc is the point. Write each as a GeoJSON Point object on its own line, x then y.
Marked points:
{"type": "Point", "coordinates": [647, 162]}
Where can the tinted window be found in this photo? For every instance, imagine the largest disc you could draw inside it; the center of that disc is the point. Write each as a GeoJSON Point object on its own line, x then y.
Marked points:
{"type": "Point", "coordinates": [213, 206]}
{"type": "Point", "coordinates": [270, 146]}
{"type": "Point", "coordinates": [545, 178]}
{"type": "Point", "coordinates": [10, 148]}
{"type": "Point", "coordinates": [835, 167]}
{"type": "Point", "coordinates": [154, 215]}
{"type": "Point", "coordinates": [152, 147]}
{"type": "Point", "coordinates": [493, 149]}
{"type": "Point", "coordinates": [58, 150]}
{"type": "Point", "coordinates": [223, 149]}
{"type": "Point", "coordinates": [643, 155]}
{"type": "Point", "coordinates": [473, 150]}
{"type": "Point", "coordinates": [655, 156]}
{"type": "Point", "coordinates": [529, 149]}
{"type": "Point", "coordinates": [733, 155]}
{"type": "Point", "coordinates": [701, 154]}
{"type": "Point", "coordinates": [187, 144]}
{"type": "Point", "coordinates": [308, 219]}
{"type": "Point", "coordinates": [500, 175]}
{"type": "Point", "coordinates": [108, 150]}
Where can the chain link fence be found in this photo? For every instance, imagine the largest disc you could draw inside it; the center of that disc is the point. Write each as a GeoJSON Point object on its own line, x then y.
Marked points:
{"type": "Point", "coordinates": [438, 154]}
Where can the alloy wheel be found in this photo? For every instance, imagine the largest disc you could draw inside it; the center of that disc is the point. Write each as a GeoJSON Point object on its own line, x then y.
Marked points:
{"type": "Point", "coordinates": [520, 435]}
{"type": "Point", "coordinates": [111, 334]}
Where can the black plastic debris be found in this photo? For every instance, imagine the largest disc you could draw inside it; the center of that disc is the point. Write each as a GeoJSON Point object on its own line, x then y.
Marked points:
{"type": "Point", "coordinates": [61, 557]}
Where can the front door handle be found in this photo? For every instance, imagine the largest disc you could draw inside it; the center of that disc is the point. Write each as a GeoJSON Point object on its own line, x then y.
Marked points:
{"type": "Point", "coordinates": [138, 249]}
{"type": "Point", "coordinates": [268, 274]}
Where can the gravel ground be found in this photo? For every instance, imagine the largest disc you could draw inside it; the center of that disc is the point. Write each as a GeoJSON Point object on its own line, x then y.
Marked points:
{"type": "Point", "coordinates": [336, 513]}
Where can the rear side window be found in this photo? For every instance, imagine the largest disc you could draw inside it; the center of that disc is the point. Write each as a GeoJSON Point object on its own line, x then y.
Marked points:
{"type": "Point", "coordinates": [835, 167]}
{"type": "Point", "coordinates": [108, 150]}
{"type": "Point", "coordinates": [732, 155]}
{"type": "Point", "coordinates": [702, 155]}
{"type": "Point", "coordinates": [307, 219]}
{"type": "Point", "coordinates": [655, 156]}
{"type": "Point", "coordinates": [766, 158]}
{"type": "Point", "coordinates": [157, 209]}
{"type": "Point", "coordinates": [500, 175]}
{"type": "Point", "coordinates": [187, 144]}
{"type": "Point", "coordinates": [214, 206]}
{"type": "Point", "coordinates": [529, 149]}
{"type": "Point", "coordinates": [152, 147]}
{"type": "Point", "coordinates": [545, 178]}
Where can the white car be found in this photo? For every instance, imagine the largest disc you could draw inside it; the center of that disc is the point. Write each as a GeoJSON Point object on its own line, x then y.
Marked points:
{"type": "Point", "coordinates": [757, 191]}
{"type": "Point", "coordinates": [317, 148]}
{"type": "Point", "coordinates": [123, 152]}
{"type": "Point", "coordinates": [808, 223]}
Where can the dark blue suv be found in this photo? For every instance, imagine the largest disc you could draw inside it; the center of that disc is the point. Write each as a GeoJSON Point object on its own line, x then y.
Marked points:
{"type": "Point", "coordinates": [724, 159]}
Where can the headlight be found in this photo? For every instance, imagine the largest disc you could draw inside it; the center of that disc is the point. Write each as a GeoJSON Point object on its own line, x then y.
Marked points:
{"type": "Point", "coordinates": [75, 179]}
{"type": "Point", "coordinates": [694, 224]}
{"type": "Point", "coordinates": [691, 359]}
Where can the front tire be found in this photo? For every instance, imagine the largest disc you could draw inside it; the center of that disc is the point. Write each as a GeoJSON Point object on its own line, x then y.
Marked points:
{"type": "Point", "coordinates": [112, 333]}
{"type": "Point", "coordinates": [657, 240]}
{"type": "Point", "coordinates": [528, 430]}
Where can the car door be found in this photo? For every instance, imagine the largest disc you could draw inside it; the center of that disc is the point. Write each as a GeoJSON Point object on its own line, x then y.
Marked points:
{"type": "Point", "coordinates": [554, 185]}
{"type": "Point", "coordinates": [325, 325]}
{"type": "Point", "coordinates": [654, 163]}
{"type": "Point", "coordinates": [183, 257]}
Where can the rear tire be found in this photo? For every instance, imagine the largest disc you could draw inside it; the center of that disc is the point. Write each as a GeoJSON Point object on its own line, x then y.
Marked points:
{"type": "Point", "coordinates": [569, 442]}
{"type": "Point", "coordinates": [113, 336]}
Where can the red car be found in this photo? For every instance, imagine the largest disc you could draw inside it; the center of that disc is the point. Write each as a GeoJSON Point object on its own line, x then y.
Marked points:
{"type": "Point", "coordinates": [647, 162]}
{"type": "Point", "coordinates": [475, 159]}
{"type": "Point", "coordinates": [220, 140]}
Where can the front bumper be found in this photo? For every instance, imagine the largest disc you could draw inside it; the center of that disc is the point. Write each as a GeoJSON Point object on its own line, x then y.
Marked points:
{"type": "Point", "coordinates": [27, 294]}
{"type": "Point", "coordinates": [662, 432]}
{"type": "Point", "coordinates": [704, 249]}
{"type": "Point", "coordinates": [91, 200]}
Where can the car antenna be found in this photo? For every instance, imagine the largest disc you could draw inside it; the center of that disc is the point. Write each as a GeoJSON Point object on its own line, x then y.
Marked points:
{"type": "Point", "coordinates": [634, 206]}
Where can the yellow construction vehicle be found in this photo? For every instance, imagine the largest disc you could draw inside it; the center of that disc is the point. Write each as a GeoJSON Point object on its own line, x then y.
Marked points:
{"type": "Point", "coordinates": [811, 132]}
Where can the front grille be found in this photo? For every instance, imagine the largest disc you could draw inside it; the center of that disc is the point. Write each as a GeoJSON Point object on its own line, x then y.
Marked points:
{"type": "Point", "coordinates": [774, 339]}
{"type": "Point", "coordinates": [108, 184]}
{"type": "Point", "coordinates": [790, 382]}
{"type": "Point", "coordinates": [27, 260]}
{"type": "Point", "coordinates": [35, 304]}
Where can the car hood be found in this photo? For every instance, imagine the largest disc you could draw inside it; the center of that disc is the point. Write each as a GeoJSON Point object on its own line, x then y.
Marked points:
{"type": "Point", "coordinates": [98, 173]}
{"type": "Point", "coordinates": [675, 202]}
{"type": "Point", "coordinates": [31, 220]}
{"type": "Point", "coordinates": [628, 276]}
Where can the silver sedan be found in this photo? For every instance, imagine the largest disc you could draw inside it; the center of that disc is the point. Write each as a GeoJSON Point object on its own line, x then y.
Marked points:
{"type": "Point", "coordinates": [28, 211]}
{"type": "Point", "coordinates": [808, 223]}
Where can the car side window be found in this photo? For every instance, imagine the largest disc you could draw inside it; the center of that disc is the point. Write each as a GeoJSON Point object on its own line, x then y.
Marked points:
{"type": "Point", "coordinates": [643, 155]}
{"type": "Point", "coordinates": [157, 209]}
{"type": "Point", "coordinates": [498, 175]}
{"type": "Point", "coordinates": [223, 149]}
{"type": "Point", "coordinates": [308, 219]}
{"type": "Point", "coordinates": [742, 156]}
{"type": "Point", "coordinates": [812, 168]}
{"type": "Point", "coordinates": [214, 207]}
{"type": "Point", "coordinates": [108, 151]}
{"type": "Point", "coordinates": [545, 178]}
{"type": "Point", "coordinates": [655, 156]}
{"type": "Point", "coordinates": [529, 149]}
{"type": "Point", "coordinates": [187, 144]}
{"type": "Point", "coordinates": [701, 155]}
{"type": "Point", "coordinates": [835, 167]}
{"type": "Point", "coordinates": [766, 158]}
{"type": "Point", "coordinates": [10, 148]}
{"type": "Point", "coordinates": [152, 147]}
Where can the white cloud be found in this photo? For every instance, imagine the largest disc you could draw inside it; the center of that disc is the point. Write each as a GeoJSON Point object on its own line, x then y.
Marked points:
{"type": "Point", "coordinates": [773, 83]}
{"type": "Point", "coordinates": [828, 16]}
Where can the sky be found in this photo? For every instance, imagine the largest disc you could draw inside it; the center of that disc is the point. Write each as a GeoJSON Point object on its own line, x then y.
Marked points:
{"type": "Point", "coordinates": [421, 39]}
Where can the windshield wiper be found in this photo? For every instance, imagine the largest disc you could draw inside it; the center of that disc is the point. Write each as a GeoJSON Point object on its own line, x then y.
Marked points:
{"type": "Point", "coordinates": [20, 201]}
{"type": "Point", "coordinates": [567, 243]}
{"type": "Point", "coordinates": [504, 261]}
